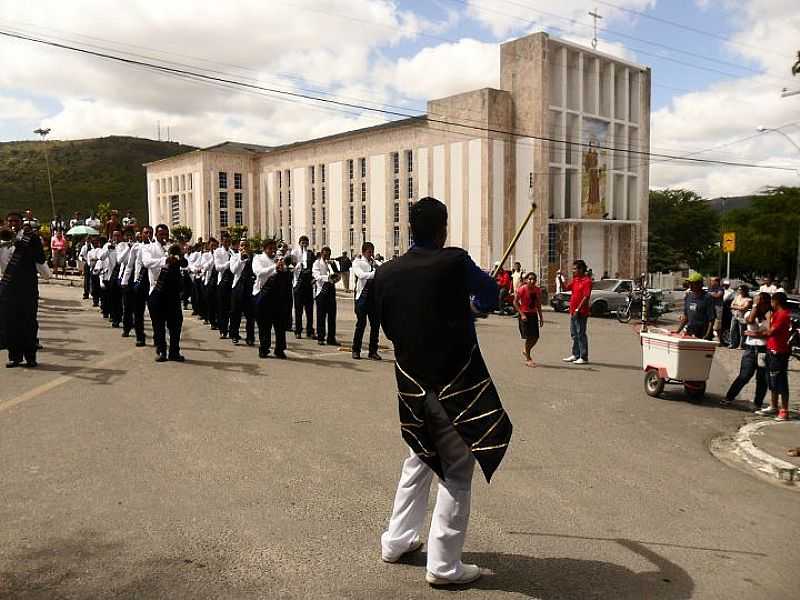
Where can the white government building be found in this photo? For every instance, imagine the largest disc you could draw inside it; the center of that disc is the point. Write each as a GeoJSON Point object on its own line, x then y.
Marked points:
{"type": "Point", "coordinates": [487, 154]}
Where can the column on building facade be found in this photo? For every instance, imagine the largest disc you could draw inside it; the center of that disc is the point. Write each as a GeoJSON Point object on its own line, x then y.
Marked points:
{"type": "Point", "coordinates": [376, 212]}
{"type": "Point", "coordinates": [335, 208]}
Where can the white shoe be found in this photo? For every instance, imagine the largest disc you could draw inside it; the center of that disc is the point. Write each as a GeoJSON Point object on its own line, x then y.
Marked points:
{"type": "Point", "coordinates": [570, 358]}
{"type": "Point", "coordinates": [580, 361]}
{"type": "Point", "coordinates": [471, 573]}
{"type": "Point", "coordinates": [770, 410]}
{"type": "Point", "coordinates": [413, 548]}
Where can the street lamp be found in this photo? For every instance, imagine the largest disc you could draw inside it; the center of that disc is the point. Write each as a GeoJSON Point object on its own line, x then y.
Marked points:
{"type": "Point", "coordinates": [763, 129]}
{"type": "Point", "coordinates": [43, 133]}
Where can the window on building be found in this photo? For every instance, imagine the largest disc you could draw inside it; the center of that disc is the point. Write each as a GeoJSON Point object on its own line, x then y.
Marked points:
{"type": "Point", "coordinates": [322, 173]}
{"type": "Point", "coordinates": [313, 237]}
{"type": "Point", "coordinates": [183, 182]}
{"type": "Point", "coordinates": [223, 218]}
{"type": "Point", "coordinates": [410, 237]}
{"type": "Point", "coordinates": [177, 182]}
{"type": "Point", "coordinates": [352, 192]}
{"type": "Point", "coordinates": [410, 161]}
{"type": "Point", "coordinates": [396, 212]}
{"type": "Point", "coordinates": [313, 196]}
{"type": "Point", "coordinates": [175, 210]}
{"type": "Point", "coordinates": [289, 218]}
{"type": "Point", "coordinates": [289, 197]}
{"type": "Point", "coordinates": [288, 178]}
{"type": "Point", "coordinates": [280, 179]}
{"type": "Point", "coordinates": [237, 181]}
{"type": "Point", "coordinates": [169, 181]}
{"type": "Point", "coordinates": [280, 197]}
{"type": "Point", "coordinates": [223, 180]}
{"type": "Point", "coordinates": [223, 209]}
{"type": "Point", "coordinates": [313, 215]}
{"type": "Point", "coordinates": [324, 216]}
{"type": "Point", "coordinates": [280, 218]}
{"type": "Point", "coordinates": [396, 189]}
{"type": "Point", "coordinates": [223, 200]}
{"type": "Point", "coordinates": [238, 201]}
{"type": "Point", "coordinates": [238, 217]}
{"type": "Point", "coordinates": [352, 216]}
{"type": "Point", "coordinates": [363, 234]}
{"type": "Point", "coordinates": [363, 214]}
{"type": "Point", "coordinates": [312, 174]}
{"type": "Point", "coordinates": [396, 236]}
{"type": "Point", "coordinates": [350, 168]}
{"type": "Point", "coordinates": [323, 195]}
{"type": "Point", "coordinates": [324, 237]}
{"type": "Point", "coordinates": [363, 191]}
{"type": "Point", "coordinates": [352, 237]}
{"type": "Point", "coordinates": [395, 162]}
{"type": "Point", "coordinates": [410, 188]}
{"type": "Point", "coordinates": [190, 180]}
{"type": "Point", "coordinates": [363, 163]}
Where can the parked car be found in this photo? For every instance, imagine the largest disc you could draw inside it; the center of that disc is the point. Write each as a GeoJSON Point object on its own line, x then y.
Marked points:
{"type": "Point", "coordinates": [608, 295]}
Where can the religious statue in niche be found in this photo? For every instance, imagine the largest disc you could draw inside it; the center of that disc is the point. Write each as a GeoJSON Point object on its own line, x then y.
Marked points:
{"type": "Point", "coordinates": [593, 180]}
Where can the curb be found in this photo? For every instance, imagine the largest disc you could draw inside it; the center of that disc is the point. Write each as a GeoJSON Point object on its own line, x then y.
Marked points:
{"type": "Point", "coordinates": [745, 449]}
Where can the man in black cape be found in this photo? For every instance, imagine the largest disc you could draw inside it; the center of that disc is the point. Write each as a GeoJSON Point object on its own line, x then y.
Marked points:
{"type": "Point", "coordinates": [450, 413]}
{"type": "Point", "coordinates": [19, 294]}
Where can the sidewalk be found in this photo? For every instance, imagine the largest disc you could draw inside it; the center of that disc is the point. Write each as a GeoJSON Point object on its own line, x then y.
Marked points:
{"type": "Point", "coordinates": [762, 445]}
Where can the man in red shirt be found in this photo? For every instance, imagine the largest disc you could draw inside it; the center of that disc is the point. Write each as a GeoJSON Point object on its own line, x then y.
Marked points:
{"type": "Point", "coordinates": [581, 288]}
{"type": "Point", "coordinates": [778, 353]}
{"type": "Point", "coordinates": [503, 279]}
{"type": "Point", "coordinates": [528, 302]}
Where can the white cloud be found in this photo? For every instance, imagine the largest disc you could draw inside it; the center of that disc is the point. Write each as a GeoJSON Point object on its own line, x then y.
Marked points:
{"type": "Point", "coordinates": [16, 109]}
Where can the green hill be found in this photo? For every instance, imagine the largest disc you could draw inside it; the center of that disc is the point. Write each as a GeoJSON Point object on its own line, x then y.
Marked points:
{"type": "Point", "coordinates": [85, 173]}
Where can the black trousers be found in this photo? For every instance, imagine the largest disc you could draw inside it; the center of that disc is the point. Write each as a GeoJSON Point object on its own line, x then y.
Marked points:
{"type": "Point", "coordinates": [198, 297]}
{"type": "Point", "coordinates": [105, 300]}
{"type": "Point", "coordinates": [747, 368]}
{"type": "Point", "coordinates": [94, 285]}
{"type": "Point", "coordinates": [128, 307]}
{"type": "Point", "coordinates": [365, 312]}
{"type": "Point", "coordinates": [166, 315]}
{"type": "Point", "coordinates": [187, 295]}
{"type": "Point", "coordinates": [270, 314]}
{"type": "Point", "coordinates": [326, 314]}
{"type": "Point", "coordinates": [224, 302]}
{"type": "Point", "coordinates": [87, 281]}
{"type": "Point", "coordinates": [242, 306]}
{"type": "Point", "coordinates": [140, 293]}
{"type": "Point", "coordinates": [114, 291]}
{"type": "Point", "coordinates": [211, 300]}
{"type": "Point", "coordinates": [304, 302]}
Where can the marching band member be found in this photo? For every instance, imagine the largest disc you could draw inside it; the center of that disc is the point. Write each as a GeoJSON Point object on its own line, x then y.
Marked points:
{"type": "Point", "coordinates": [84, 260]}
{"type": "Point", "coordinates": [325, 277]}
{"type": "Point", "coordinates": [269, 301]}
{"type": "Point", "coordinates": [109, 279]}
{"type": "Point", "coordinates": [124, 254]}
{"type": "Point", "coordinates": [21, 257]}
{"type": "Point", "coordinates": [141, 283]}
{"type": "Point", "coordinates": [303, 288]}
{"type": "Point", "coordinates": [363, 269]}
{"type": "Point", "coordinates": [241, 296]}
{"type": "Point", "coordinates": [450, 412]}
{"type": "Point", "coordinates": [193, 261]}
{"type": "Point", "coordinates": [210, 283]}
{"type": "Point", "coordinates": [222, 263]}
{"type": "Point", "coordinates": [164, 301]}
{"type": "Point", "coordinates": [186, 280]}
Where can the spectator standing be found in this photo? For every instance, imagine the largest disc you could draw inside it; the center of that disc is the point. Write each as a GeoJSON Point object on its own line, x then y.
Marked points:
{"type": "Point", "coordinates": [75, 220]}
{"type": "Point", "coordinates": [112, 224]}
{"type": "Point", "coordinates": [581, 288]}
{"type": "Point", "coordinates": [30, 221]}
{"type": "Point", "coordinates": [58, 247]}
{"type": "Point", "coordinates": [345, 264]}
{"type": "Point", "coordinates": [778, 354]}
{"type": "Point", "coordinates": [739, 306]}
{"type": "Point", "coordinates": [754, 358]}
{"type": "Point", "coordinates": [528, 302]}
{"type": "Point", "coordinates": [93, 222]}
{"type": "Point", "coordinates": [504, 283]}
{"type": "Point", "coordinates": [517, 276]}
{"type": "Point", "coordinates": [717, 293]}
{"type": "Point", "coordinates": [129, 220]}
{"type": "Point", "coordinates": [559, 281]}
{"type": "Point", "coordinates": [768, 285]}
{"type": "Point", "coordinates": [698, 309]}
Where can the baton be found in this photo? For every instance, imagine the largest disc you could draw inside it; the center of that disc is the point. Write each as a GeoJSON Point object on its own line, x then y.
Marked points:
{"type": "Point", "coordinates": [514, 240]}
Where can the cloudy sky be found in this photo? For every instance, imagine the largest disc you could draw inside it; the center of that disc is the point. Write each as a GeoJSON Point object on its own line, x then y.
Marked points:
{"type": "Point", "coordinates": [715, 79]}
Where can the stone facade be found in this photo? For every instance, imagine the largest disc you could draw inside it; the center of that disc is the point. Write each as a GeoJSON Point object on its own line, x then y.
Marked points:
{"type": "Point", "coordinates": [563, 132]}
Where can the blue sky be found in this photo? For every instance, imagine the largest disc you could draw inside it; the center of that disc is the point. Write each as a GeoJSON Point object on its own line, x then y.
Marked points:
{"type": "Point", "coordinates": [400, 53]}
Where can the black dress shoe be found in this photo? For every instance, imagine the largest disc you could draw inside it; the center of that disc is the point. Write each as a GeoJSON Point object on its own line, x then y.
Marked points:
{"type": "Point", "coordinates": [31, 364]}
{"type": "Point", "coordinates": [280, 354]}
{"type": "Point", "coordinates": [298, 335]}
{"type": "Point", "coordinates": [115, 325]}
{"type": "Point", "coordinates": [374, 356]}
{"type": "Point", "coordinates": [126, 334]}
{"type": "Point", "coordinates": [161, 358]}
{"type": "Point", "coordinates": [321, 342]}
{"type": "Point", "coordinates": [263, 353]}
{"type": "Point", "coordinates": [236, 340]}
{"type": "Point", "coordinates": [356, 355]}
{"type": "Point", "coordinates": [13, 364]}
{"type": "Point", "coordinates": [250, 342]}
{"type": "Point", "coordinates": [333, 343]}
{"type": "Point", "coordinates": [223, 336]}
{"type": "Point", "coordinates": [177, 358]}
{"type": "Point", "coordinates": [140, 343]}
{"type": "Point", "coordinates": [214, 328]}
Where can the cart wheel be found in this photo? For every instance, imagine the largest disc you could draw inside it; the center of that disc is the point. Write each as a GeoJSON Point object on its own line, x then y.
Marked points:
{"type": "Point", "coordinates": [653, 384]}
{"type": "Point", "coordinates": [696, 390]}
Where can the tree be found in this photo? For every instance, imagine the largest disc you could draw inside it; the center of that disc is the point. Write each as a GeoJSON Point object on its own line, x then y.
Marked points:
{"type": "Point", "coordinates": [237, 232]}
{"type": "Point", "coordinates": [103, 211]}
{"type": "Point", "coordinates": [181, 232]}
{"type": "Point", "coordinates": [683, 230]}
{"type": "Point", "coordinates": [766, 234]}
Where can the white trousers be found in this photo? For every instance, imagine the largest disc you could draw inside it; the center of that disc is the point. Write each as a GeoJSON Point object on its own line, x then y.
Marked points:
{"type": "Point", "coordinates": [451, 513]}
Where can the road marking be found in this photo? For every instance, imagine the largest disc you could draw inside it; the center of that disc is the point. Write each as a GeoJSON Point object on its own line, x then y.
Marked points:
{"type": "Point", "coordinates": [58, 381]}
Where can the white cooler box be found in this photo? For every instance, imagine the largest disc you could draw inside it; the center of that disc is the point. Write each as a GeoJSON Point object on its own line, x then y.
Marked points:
{"type": "Point", "coordinates": [682, 358]}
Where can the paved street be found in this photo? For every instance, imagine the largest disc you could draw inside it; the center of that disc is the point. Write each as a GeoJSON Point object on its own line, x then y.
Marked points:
{"type": "Point", "coordinates": [233, 477]}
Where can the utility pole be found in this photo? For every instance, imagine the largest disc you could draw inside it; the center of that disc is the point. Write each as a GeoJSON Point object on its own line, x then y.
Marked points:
{"type": "Point", "coordinates": [596, 16]}
{"type": "Point", "coordinates": [43, 133]}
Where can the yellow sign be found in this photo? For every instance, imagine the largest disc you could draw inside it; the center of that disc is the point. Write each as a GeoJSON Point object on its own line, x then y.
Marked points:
{"type": "Point", "coordinates": [729, 241]}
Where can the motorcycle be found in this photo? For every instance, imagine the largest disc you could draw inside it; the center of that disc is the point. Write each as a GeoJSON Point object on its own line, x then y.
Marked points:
{"type": "Point", "coordinates": [560, 302]}
{"type": "Point", "coordinates": [632, 309]}
{"type": "Point", "coordinates": [794, 337]}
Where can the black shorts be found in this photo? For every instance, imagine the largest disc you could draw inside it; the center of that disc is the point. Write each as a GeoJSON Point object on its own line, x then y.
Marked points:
{"type": "Point", "coordinates": [778, 373]}
{"type": "Point", "coordinates": [530, 328]}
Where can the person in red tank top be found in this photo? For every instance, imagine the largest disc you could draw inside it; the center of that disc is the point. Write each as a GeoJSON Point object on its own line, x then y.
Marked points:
{"type": "Point", "coordinates": [778, 354]}
{"type": "Point", "coordinates": [528, 302]}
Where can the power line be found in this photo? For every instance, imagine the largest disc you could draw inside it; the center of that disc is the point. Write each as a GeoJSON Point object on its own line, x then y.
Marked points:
{"type": "Point", "coordinates": [350, 105]}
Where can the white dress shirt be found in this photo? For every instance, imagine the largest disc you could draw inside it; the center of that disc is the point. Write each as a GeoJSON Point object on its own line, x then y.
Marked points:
{"type": "Point", "coordinates": [108, 256]}
{"type": "Point", "coordinates": [263, 268]}
{"type": "Point", "coordinates": [207, 266]}
{"type": "Point", "coordinates": [5, 258]}
{"type": "Point", "coordinates": [154, 258]}
{"type": "Point", "coordinates": [124, 251]}
{"type": "Point", "coordinates": [321, 273]}
{"type": "Point", "coordinates": [222, 261]}
{"type": "Point", "coordinates": [300, 261]}
{"type": "Point", "coordinates": [363, 270]}
{"type": "Point", "coordinates": [237, 267]}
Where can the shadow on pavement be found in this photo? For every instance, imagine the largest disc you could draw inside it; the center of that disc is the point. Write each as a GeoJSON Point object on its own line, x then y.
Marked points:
{"type": "Point", "coordinates": [568, 578]}
{"type": "Point", "coordinates": [92, 374]}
